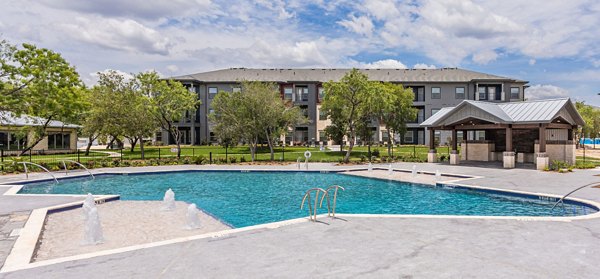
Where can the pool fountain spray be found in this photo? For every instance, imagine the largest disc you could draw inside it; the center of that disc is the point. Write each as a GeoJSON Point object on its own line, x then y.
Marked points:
{"type": "Point", "coordinates": [438, 175]}
{"type": "Point", "coordinates": [414, 171]}
{"type": "Point", "coordinates": [370, 168]}
{"type": "Point", "coordinates": [390, 170]}
{"type": "Point", "coordinates": [193, 221]}
{"type": "Point", "coordinates": [168, 203]}
{"type": "Point", "coordinates": [92, 234]}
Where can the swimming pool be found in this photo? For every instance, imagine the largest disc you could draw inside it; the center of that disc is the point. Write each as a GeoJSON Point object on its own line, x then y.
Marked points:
{"type": "Point", "coordinates": [248, 198]}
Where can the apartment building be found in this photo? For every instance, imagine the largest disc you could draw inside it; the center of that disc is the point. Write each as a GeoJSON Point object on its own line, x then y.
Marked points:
{"type": "Point", "coordinates": [433, 89]}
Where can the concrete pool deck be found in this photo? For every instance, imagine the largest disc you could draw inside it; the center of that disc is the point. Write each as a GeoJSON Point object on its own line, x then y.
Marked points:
{"type": "Point", "coordinates": [368, 247]}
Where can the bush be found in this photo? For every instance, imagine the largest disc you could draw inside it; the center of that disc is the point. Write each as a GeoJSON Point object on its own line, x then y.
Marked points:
{"type": "Point", "coordinates": [199, 160]}
{"type": "Point", "coordinates": [375, 152]}
{"type": "Point", "coordinates": [586, 165]}
{"type": "Point", "coordinates": [232, 160]}
{"type": "Point", "coordinates": [242, 159]}
{"type": "Point", "coordinates": [363, 158]}
{"type": "Point", "coordinates": [558, 165]}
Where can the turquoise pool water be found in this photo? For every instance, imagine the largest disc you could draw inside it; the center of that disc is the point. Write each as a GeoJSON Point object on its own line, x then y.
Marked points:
{"type": "Point", "coordinates": [249, 198]}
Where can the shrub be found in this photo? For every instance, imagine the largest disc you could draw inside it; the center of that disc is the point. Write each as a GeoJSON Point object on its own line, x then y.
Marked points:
{"type": "Point", "coordinates": [375, 152]}
{"type": "Point", "coordinates": [363, 158]}
{"type": "Point", "coordinates": [199, 160]}
{"type": "Point", "coordinates": [232, 160]}
{"type": "Point", "coordinates": [443, 157]}
{"type": "Point", "coordinates": [242, 159]}
{"type": "Point", "coordinates": [558, 165]}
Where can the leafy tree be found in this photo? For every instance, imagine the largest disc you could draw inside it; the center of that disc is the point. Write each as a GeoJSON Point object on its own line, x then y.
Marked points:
{"type": "Point", "coordinates": [169, 101]}
{"type": "Point", "coordinates": [397, 111]}
{"type": "Point", "coordinates": [349, 101]}
{"type": "Point", "coordinates": [254, 114]}
{"type": "Point", "coordinates": [39, 82]}
{"type": "Point", "coordinates": [591, 116]}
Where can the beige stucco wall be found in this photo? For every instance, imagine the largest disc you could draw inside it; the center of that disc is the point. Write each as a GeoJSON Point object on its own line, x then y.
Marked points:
{"type": "Point", "coordinates": [43, 144]}
{"type": "Point", "coordinates": [476, 151]}
{"type": "Point", "coordinates": [561, 152]}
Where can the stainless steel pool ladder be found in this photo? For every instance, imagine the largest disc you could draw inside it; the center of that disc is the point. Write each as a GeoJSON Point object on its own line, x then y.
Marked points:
{"type": "Point", "coordinates": [312, 211]}
{"type": "Point", "coordinates": [77, 163]}
{"type": "Point", "coordinates": [335, 189]}
{"type": "Point", "coordinates": [561, 200]}
{"type": "Point", "coordinates": [34, 164]}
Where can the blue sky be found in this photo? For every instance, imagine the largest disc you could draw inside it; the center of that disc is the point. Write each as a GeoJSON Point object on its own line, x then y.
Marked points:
{"type": "Point", "coordinates": [552, 44]}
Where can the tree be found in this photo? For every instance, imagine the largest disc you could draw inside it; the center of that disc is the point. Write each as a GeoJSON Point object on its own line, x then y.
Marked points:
{"type": "Point", "coordinates": [348, 102]}
{"type": "Point", "coordinates": [254, 114]}
{"type": "Point", "coordinates": [591, 116]}
{"type": "Point", "coordinates": [39, 82]}
{"type": "Point", "coordinates": [169, 101]}
{"type": "Point", "coordinates": [397, 111]}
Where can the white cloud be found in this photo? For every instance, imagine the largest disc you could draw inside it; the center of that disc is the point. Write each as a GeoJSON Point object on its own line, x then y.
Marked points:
{"type": "Point", "coordinates": [172, 68]}
{"type": "Point", "coordinates": [484, 56]}
{"type": "Point", "coordinates": [127, 35]}
{"type": "Point", "coordinates": [384, 64]}
{"type": "Point", "coordinates": [532, 62]}
{"type": "Point", "coordinates": [545, 91]}
{"type": "Point", "coordinates": [424, 66]}
{"type": "Point", "coordinates": [139, 9]}
{"type": "Point", "coordinates": [360, 25]}
{"type": "Point", "coordinates": [382, 9]}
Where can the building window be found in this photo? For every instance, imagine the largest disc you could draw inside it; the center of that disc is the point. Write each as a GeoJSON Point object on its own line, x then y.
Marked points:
{"type": "Point", "coordinates": [59, 141]}
{"type": "Point", "coordinates": [419, 92]}
{"type": "Point", "coordinates": [409, 137]}
{"type": "Point", "coordinates": [385, 136]}
{"type": "Point", "coordinates": [321, 93]}
{"type": "Point", "coordinates": [480, 135]}
{"type": "Point", "coordinates": [482, 93]}
{"type": "Point", "coordinates": [287, 93]}
{"type": "Point", "coordinates": [434, 111]}
{"type": "Point", "coordinates": [236, 89]}
{"type": "Point", "coordinates": [304, 110]}
{"type": "Point", "coordinates": [322, 115]}
{"type": "Point", "coordinates": [436, 93]}
{"type": "Point", "coordinates": [301, 93]}
{"type": "Point", "coordinates": [515, 93]}
{"type": "Point", "coordinates": [322, 136]}
{"type": "Point", "coordinates": [212, 92]}
{"type": "Point", "coordinates": [459, 93]}
{"type": "Point", "coordinates": [213, 137]}
{"type": "Point", "coordinates": [159, 136]}
{"type": "Point", "coordinates": [288, 137]}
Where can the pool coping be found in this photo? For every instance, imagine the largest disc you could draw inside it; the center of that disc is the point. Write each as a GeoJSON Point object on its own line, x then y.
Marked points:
{"type": "Point", "coordinates": [24, 248]}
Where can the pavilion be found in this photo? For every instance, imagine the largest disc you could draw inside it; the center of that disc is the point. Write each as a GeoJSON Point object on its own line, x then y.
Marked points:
{"type": "Point", "coordinates": [525, 132]}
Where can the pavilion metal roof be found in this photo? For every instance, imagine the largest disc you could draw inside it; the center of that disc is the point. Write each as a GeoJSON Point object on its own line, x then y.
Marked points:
{"type": "Point", "coordinates": [539, 111]}
{"type": "Point", "coordinates": [10, 119]}
{"type": "Point", "coordinates": [324, 75]}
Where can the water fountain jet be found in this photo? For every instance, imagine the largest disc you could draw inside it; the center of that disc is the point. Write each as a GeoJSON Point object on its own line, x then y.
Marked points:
{"type": "Point", "coordinates": [92, 234]}
{"type": "Point", "coordinates": [168, 203]}
{"type": "Point", "coordinates": [193, 221]}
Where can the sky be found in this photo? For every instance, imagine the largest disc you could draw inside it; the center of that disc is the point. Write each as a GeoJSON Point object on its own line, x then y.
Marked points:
{"type": "Point", "coordinates": [553, 44]}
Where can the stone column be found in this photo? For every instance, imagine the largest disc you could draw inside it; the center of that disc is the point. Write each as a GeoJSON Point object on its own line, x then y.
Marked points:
{"type": "Point", "coordinates": [542, 161]}
{"type": "Point", "coordinates": [508, 156]}
{"type": "Point", "coordinates": [432, 156]}
{"type": "Point", "coordinates": [454, 156]}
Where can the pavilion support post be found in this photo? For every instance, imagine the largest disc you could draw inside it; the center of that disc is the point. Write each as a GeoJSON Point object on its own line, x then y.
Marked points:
{"type": "Point", "coordinates": [432, 154]}
{"type": "Point", "coordinates": [508, 156]}
{"type": "Point", "coordinates": [454, 156]}
{"type": "Point", "coordinates": [542, 161]}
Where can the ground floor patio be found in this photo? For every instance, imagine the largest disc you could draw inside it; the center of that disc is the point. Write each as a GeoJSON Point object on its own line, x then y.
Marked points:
{"type": "Point", "coordinates": [355, 246]}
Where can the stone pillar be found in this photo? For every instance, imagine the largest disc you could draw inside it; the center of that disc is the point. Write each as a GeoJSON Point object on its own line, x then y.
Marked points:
{"type": "Point", "coordinates": [432, 156]}
{"type": "Point", "coordinates": [541, 158]}
{"type": "Point", "coordinates": [454, 156]}
{"type": "Point", "coordinates": [508, 159]}
{"type": "Point", "coordinates": [542, 161]}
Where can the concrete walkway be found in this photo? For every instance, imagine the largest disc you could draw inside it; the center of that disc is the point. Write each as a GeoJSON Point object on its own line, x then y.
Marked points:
{"type": "Point", "coordinates": [373, 247]}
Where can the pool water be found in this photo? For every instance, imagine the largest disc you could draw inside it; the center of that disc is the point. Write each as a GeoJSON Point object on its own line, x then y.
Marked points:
{"type": "Point", "coordinates": [248, 198]}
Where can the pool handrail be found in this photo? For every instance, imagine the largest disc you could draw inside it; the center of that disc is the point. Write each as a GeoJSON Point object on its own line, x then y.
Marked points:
{"type": "Point", "coordinates": [312, 212]}
{"type": "Point", "coordinates": [34, 164]}
{"type": "Point", "coordinates": [77, 163]}
{"type": "Point", "coordinates": [561, 200]}
{"type": "Point", "coordinates": [336, 187]}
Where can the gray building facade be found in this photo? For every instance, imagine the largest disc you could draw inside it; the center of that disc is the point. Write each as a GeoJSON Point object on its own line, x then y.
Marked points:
{"type": "Point", "coordinates": [433, 89]}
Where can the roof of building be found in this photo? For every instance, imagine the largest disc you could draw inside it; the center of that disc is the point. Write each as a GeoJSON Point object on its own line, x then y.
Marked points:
{"type": "Point", "coordinates": [539, 111]}
{"type": "Point", "coordinates": [10, 119]}
{"type": "Point", "coordinates": [323, 75]}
